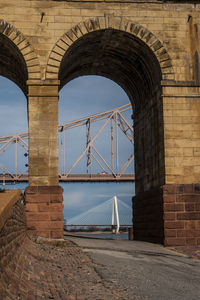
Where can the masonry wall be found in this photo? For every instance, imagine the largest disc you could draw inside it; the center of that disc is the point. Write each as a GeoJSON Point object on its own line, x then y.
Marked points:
{"type": "Point", "coordinates": [181, 206]}
{"type": "Point", "coordinates": [176, 25]}
{"type": "Point", "coordinates": [169, 215]}
{"type": "Point", "coordinates": [171, 142]}
{"type": "Point", "coordinates": [149, 144]}
{"type": "Point", "coordinates": [148, 222]}
{"type": "Point", "coordinates": [44, 211]}
{"type": "Point", "coordinates": [12, 235]}
{"type": "Point", "coordinates": [181, 109]}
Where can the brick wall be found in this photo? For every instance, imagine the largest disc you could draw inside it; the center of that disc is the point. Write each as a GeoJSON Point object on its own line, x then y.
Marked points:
{"type": "Point", "coordinates": [12, 235]}
{"type": "Point", "coordinates": [149, 144]}
{"type": "Point", "coordinates": [148, 216]}
{"type": "Point", "coordinates": [182, 214]}
{"type": "Point", "coordinates": [169, 215]}
{"type": "Point", "coordinates": [44, 211]}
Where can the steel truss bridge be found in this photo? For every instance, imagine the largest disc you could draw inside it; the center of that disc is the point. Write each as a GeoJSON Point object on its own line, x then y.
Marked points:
{"type": "Point", "coordinates": [110, 170]}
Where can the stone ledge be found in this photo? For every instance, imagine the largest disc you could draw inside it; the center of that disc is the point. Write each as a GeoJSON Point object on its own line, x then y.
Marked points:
{"type": "Point", "coordinates": [7, 201]}
{"type": "Point", "coordinates": [43, 82]}
{"type": "Point", "coordinates": [173, 83]}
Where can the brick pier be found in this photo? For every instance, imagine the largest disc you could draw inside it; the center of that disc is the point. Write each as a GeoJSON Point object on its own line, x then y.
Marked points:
{"type": "Point", "coordinates": [44, 211]}
{"type": "Point", "coordinates": [169, 215]}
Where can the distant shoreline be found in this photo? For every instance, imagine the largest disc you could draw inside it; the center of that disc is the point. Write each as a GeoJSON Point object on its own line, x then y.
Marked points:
{"type": "Point", "coordinates": [93, 232]}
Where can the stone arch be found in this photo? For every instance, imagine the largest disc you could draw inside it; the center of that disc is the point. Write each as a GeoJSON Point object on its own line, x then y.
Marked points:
{"type": "Point", "coordinates": [109, 22]}
{"type": "Point", "coordinates": [25, 57]}
{"type": "Point", "coordinates": [133, 57]}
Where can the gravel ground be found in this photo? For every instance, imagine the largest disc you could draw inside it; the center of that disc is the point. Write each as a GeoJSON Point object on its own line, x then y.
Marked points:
{"type": "Point", "coordinates": [190, 252]}
{"type": "Point", "coordinates": [144, 271]}
{"type": "Point", "coordinates": [89, 269]}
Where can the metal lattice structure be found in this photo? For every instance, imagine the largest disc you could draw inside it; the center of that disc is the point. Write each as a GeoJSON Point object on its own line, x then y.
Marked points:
{"type": "Point", "coordinates": [109, 171]}
{"type": "Point", "coordinates": [6, 142]}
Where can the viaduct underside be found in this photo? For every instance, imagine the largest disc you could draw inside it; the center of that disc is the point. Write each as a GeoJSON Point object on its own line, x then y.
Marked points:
{"type": "Point", "coordinates": [151, 49]}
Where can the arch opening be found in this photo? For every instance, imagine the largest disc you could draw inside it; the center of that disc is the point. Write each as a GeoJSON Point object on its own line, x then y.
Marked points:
{"type": "Point", "coordinates": [13, 133]}
{"type": "Point", "coordinates": [130, 62]}
{"type": "Point", "coordinates": [14, 75]}
{"type": "Point", "coordinates": [90, 113]}
{"type": "Point", "coordinates": [12, 63]}
{"type": "Point", "coordinates": [94, 96]}
{"type": "Point", "coordinates": [118, 55]}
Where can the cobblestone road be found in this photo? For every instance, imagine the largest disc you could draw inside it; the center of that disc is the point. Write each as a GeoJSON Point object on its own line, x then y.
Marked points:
{"type": "Point", "coordinates": [43, 270]}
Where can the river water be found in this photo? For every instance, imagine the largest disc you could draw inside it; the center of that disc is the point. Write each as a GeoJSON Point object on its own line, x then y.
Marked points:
{"type": "Point", "coordinates": [110, 236]}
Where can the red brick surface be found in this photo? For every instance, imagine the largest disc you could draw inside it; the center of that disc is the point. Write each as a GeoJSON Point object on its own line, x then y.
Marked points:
{"type": "Point", "coordinates": [169, 214]}
{"type": "Point", "coordinates": [32, 270]}
{"type": "Point", "coordinates": [52, 270]}
{"type": "Point", "coordinates": [44, 211]}
{"type": "Point", "coordinates": [47, 269]}
{"type": "Point", "coordinates": [184, 207]}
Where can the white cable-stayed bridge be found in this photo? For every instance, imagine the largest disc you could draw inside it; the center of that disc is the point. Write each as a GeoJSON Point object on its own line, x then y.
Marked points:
{"type": "Point", "coordinates": [105, 214]}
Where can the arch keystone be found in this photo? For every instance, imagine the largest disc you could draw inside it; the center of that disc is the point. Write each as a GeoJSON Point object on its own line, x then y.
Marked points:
{"type": "Point", "coordinates": [102, 22]}
{"type": "Point", "coordinates": [123, 24]}
{"type": "Point", "coordinates": [117, 23]}
{"type": "Point", "coordinates": [95, 23]}
{"type": "Point", "coordinates": [109, 20]}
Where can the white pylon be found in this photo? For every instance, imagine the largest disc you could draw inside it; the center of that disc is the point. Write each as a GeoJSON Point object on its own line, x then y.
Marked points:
{"type": "Point", "coordinates": [115, 212]}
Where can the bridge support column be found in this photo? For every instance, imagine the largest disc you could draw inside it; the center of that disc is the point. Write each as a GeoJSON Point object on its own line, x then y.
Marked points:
{"type": "Point", "coordinates": [181, 193]}
{"type": "Point", "coordinates": [169, 215]}
{"type": "Point", "coordinates": [170, 212]}
{"type": "Point", "coordinates": [44, 208]}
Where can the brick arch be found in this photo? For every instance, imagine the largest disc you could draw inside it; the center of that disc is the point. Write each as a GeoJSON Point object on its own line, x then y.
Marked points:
{"type": "Point", "coordinates": [109, 22]}
{"type": "Point", "coordinates": [24, 47]}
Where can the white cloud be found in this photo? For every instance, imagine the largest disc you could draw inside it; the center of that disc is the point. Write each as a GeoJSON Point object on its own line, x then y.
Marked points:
{"type": "Point", "coordinates": [76, 199]}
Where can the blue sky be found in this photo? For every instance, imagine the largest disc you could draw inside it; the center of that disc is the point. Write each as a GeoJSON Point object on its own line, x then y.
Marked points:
{"type": "Point", "coordinates": [89, 95]}
{"type": "Point", "coordinates": [85, 96]}
{"type": "Point", "coordinates": [13, 108]}
{"type": "Point", "coordinates": [81, 97]}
